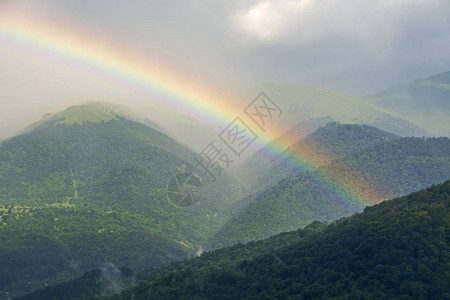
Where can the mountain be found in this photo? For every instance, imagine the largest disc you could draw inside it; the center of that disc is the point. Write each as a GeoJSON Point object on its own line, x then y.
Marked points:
{"type": "Point", "coordinates": [327, 143]}
{"type": "Point", "coordinates": [306, 108]}
{"type": "Point", "coordinates": [340, 188]}
{"type": "Point", "coordinates": [398, 249]}
{"type": "Point", "coordinates": [425, 102]}
{"type": "Point", "coordinates": [182, 128]}
{"type": "Point", "coordinates": [87, 187]}
{"type": "Point", "coordinates": [302, 103]}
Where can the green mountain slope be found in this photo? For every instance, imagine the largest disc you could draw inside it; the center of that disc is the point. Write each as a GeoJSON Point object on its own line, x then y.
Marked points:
{"type": "Point", "coordinates": [398, 249]}
{"type": "Point", "coordinates": [425, 102]}
{"type": "Point", "coordinates": [397, 167]}
{"type": "Point", "coordinates": [332, 141]}
{"type": "Point", "coordinates": [385, 170]}
{"type": "Point", "coordinates": [88, 187]}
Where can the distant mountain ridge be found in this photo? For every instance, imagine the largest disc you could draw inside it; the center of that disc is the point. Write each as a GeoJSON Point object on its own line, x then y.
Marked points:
{"type": "Point", "coordinates": [425, 102]}
{"type": "Point", "coordinates": [302, 103]}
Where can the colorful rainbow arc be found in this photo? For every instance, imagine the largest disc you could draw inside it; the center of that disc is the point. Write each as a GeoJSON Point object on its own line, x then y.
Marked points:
{"type": "Point", "coordinates": [176, 92]}
{"type": "Point", "coordinates": [87, 54]}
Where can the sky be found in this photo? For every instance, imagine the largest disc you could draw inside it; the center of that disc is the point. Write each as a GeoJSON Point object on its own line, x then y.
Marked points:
{"type": "Point", "coordinates": [353, 46]}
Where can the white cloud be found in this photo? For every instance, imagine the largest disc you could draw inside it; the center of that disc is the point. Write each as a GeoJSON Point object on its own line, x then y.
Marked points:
{"type": "Point", "coordinates": [268, 20]}
{"type": "Point", "coordinates": [301, 22]}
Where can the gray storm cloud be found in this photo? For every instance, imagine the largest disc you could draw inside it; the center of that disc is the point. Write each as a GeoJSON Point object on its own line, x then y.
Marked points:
{"type": "Point", "coordinates": [357, 47]}
{"type": "Point", "coordinates": [353, 46]}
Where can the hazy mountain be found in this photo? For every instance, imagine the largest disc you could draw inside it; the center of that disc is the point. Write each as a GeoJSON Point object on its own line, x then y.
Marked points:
{"type": "Point", "coordinates": [397, 249]}
{"type": "Point", "coordinates": [384, 170]}
{"type": "Point", "coordinates": [425, 102]}
{"type": "Point", "coordinates": [187, 130]}
{"type": "Point", "coordinates": [302, 103]}
{"type": "Point", "coordinates": [87, 187]}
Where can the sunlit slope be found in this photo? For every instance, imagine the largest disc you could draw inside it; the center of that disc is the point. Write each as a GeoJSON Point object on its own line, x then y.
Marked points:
{"type": "Point", "coordinates": [425, 102]}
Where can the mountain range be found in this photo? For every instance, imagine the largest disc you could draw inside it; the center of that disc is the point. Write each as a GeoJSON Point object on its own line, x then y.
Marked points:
{"type": "Point", "coordinates": [303, 103]}
{"type": "Point", "coordinates": [89, 190]}
{"type": "Point", "coordinates": [364, 159]}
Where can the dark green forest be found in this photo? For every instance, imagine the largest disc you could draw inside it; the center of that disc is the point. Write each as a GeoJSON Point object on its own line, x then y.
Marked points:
{"type": "Point", "coordinates": [398, 249]}
{"type": "Point", "coordinates": [94, 283]}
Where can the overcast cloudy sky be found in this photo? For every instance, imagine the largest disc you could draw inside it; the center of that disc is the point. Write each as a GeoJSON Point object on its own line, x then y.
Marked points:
{"type": "Point", "coordinates": [354, 46]}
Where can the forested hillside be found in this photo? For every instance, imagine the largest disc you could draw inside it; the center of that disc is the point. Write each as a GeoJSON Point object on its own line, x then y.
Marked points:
{"type": "Point", "coordinates": [372, 174]}
{"type": "Point", "coordinates": [396, 249]}
{"type": "Point", "coordinates": [88, 187]}
{"type": "Point", "coordinates": [323, 146]}
{"type": "Point", "coordinates": [96, 282]}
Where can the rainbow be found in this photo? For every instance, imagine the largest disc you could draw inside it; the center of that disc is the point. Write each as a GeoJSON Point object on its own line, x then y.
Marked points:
{"type": "Point", "coordinates": [77, 49]}
{"type": "Point", "coordinates": [169, 88]}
